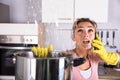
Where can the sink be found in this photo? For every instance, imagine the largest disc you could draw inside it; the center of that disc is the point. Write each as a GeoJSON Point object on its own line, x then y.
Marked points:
{"type": "Point", "coordinates": [102, 70]}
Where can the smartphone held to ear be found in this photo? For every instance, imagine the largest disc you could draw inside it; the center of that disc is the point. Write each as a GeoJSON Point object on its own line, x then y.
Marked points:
{"type": "Point", "coordinates": [94, 38]}
{"type": "Point", "coordinates": [95, 35]}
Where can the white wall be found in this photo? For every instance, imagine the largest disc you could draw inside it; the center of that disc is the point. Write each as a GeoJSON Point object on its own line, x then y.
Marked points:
{"type": "Point", "coordinates": [17, 10]}
{"type": "Point", "coordinates": [114, 12]}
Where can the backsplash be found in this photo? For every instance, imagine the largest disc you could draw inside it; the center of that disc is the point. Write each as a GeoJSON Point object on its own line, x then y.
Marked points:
{"type": "Point", "coordinates": [60, 36]}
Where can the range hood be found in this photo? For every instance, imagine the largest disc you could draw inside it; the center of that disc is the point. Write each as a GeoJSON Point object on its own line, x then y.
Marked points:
{"type": "Point", "coordinates": [18, 29]}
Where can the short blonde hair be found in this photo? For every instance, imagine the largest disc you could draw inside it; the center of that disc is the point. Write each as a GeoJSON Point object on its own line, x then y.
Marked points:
{"type": "Point", "coordinates": [79, 20]}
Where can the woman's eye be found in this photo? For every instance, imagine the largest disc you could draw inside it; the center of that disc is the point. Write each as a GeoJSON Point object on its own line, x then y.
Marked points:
{"type": "Point", "coordinates": [90, 30]}
{"type": "Point", "coordinates": [79, 30]}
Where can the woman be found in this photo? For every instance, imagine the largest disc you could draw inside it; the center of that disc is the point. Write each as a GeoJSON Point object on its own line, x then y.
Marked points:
{"type": "Point", "coordinates": [90, 47]}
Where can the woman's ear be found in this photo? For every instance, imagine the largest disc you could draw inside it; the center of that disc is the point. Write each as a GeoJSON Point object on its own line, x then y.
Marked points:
{"type": "Point", "coordinates": [73, 37]}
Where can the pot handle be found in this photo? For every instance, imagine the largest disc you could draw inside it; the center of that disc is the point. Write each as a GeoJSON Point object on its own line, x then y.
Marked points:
{"type": "Point", "coordinates": [75, 62]}
{"type": "Point", "coordinates": [14, 57]}
{"type": "Point", "coordinates": [78, 61]}
{"type": "Point", "coordinates": [14, 60]}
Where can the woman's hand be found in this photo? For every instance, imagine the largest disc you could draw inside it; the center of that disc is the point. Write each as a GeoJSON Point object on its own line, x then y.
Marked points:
{"type": "Point", "coordinates": [109, 57]}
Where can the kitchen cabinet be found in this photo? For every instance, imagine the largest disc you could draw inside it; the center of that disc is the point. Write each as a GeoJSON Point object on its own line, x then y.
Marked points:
{"type": "Point", "coordinates": [94, 9]}
{"type": "Point", "coordinates": [57, 11]}
{"type": "Point", "coordinates": [66, 11]}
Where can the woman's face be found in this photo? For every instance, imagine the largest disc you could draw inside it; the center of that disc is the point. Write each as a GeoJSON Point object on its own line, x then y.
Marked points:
{"type": "Point", "coordinates": [84, 34]}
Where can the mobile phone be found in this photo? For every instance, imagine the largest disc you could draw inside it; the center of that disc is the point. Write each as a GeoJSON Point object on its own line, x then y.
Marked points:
{"type": "Point", "coordinates": [95, 38]}
{"type": "Point", "coordinates": [95, 35]}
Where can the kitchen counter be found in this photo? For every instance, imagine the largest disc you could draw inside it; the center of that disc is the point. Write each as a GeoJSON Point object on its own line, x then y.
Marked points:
{"type": "Point", "coordinates": [104, 74]}
{"type": "Point", "coordinates": [110, 74]}
{"type": "Point", "coordinates": [6, 77]}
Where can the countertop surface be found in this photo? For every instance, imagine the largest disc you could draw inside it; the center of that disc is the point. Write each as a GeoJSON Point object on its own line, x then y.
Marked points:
{"type": "Point", "coordinates": [104, 74]}
{"type": "Point", "coordinates": [110, 74]}
{"type": "Point", "coordinates": [6, 77]}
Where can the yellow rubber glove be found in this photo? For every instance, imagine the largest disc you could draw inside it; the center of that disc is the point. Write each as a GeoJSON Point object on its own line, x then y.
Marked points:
{"type": "Point", "coordinates": [34, 50]}
{"type": "Point", "coordinates": [50, 48]}
{"type": "Point", "coordinates": [109, 57]}
{"type": "Point", "coordinates": [42, 52]}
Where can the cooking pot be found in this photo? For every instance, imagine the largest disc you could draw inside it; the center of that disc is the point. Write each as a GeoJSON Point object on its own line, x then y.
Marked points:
{"type": "Point", "coordinates": [29, 67]}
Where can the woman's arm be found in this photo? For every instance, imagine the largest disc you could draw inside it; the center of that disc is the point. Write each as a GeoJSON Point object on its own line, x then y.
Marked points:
{"type": "Point", "coordinates": [111, 58]}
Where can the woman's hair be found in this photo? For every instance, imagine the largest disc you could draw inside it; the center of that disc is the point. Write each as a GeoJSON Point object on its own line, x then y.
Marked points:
{"type": "Point", "coordinates": [79, 20]}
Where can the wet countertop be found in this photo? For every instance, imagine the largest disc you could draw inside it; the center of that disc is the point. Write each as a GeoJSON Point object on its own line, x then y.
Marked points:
{"type": "Point", "coordinates": [106, 73]}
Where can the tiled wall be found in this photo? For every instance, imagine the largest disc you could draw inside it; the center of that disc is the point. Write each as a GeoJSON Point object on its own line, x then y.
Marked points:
{"type": "Point", "coordinates": [60, 36]}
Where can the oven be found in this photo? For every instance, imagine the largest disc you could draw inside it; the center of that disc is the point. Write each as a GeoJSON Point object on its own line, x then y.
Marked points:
{"type": "Point", "coordinates": [9, 45]}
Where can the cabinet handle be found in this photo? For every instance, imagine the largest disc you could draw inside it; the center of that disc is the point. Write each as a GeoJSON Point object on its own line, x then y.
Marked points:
{"type": "Point", "coordinates": [64, 19]}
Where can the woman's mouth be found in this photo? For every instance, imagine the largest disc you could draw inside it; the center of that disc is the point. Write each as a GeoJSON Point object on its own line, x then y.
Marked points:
{"type": "Point", "coordinates": [86, 41]}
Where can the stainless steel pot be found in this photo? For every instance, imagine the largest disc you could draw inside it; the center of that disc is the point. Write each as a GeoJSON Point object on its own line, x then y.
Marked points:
{"type": "Point", "coordinates": [30, 68]}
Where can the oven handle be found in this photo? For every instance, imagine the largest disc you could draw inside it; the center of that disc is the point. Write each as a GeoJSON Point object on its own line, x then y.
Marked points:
{"type": "Point", "coordinates": [8, 47]}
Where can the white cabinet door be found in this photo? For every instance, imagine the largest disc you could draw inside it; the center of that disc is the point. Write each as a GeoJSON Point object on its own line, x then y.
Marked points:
{"type": "Point", "coordinates": [94, 9]}
{"type": "Point", "coordinates": [57, 11]}
{"type": "Point", "coordinates": [65, 11]}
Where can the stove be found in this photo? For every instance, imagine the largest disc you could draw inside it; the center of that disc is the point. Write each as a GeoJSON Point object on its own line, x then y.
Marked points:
{"type": "Point", "coordinates": [9, 46]}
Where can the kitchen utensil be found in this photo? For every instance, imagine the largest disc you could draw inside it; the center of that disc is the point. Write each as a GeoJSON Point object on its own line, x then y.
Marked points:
{"type": "Point", "coordinates": [29, 67]}
{"type": "Point", "coordinates": [107, 38]}
{"type": "Point", "coordinates": [98, 33]}
{"type": "Point", "coordinates": [102, 36]}
{"type": "Point", "coordinates": [113, 37]}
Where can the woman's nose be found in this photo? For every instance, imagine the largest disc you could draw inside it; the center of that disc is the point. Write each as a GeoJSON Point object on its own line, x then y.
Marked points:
{"type": "Point", "coordinates": [85, 34]}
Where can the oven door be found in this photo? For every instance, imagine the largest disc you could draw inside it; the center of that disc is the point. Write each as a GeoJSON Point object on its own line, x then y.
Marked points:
{"type": "Point", "coordinates": [7, 58]}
